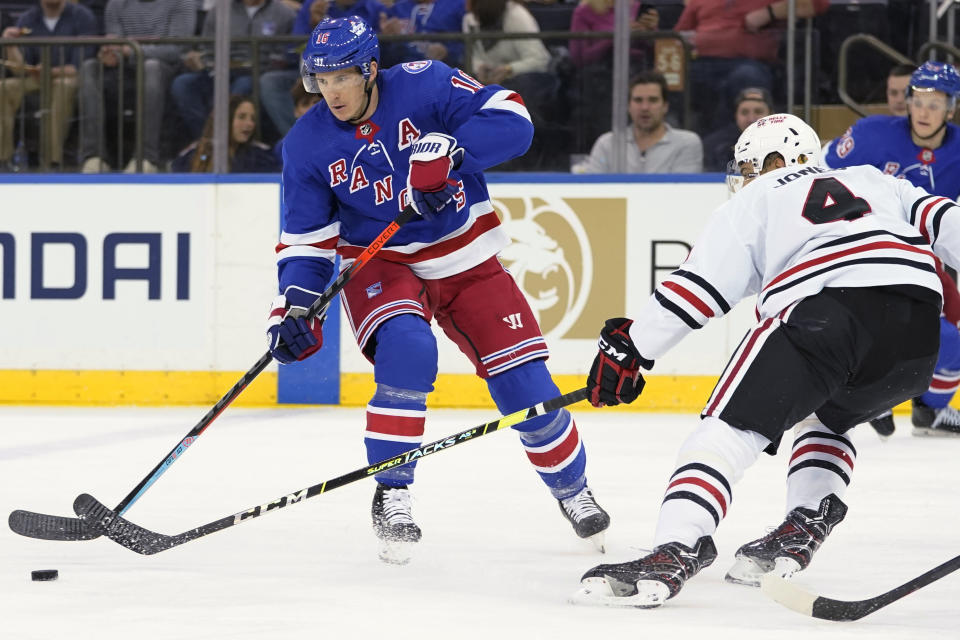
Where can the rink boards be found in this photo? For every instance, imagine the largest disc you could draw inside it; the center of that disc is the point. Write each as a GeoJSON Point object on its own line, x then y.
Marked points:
{"type": "Point", "coordinates": [152, 290]}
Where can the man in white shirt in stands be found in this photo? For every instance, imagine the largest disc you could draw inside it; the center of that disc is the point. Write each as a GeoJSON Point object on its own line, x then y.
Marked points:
{"type": "Point", "coordinates": [653, 146]}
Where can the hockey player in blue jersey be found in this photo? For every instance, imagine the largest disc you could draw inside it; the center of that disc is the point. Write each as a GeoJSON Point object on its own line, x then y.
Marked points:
{"type": "Point", "coordinates": [924, 148]}
{"type": "Point", "coordinates": [421, 133]}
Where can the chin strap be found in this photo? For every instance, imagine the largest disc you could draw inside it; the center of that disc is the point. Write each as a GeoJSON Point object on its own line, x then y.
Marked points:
{"type": "Point", "coordinates": [369, 93]}
{"type": "Point", "coordinates": [914, 131]}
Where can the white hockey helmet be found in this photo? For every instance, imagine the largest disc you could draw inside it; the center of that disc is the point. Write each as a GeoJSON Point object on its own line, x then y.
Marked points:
{"type": "Point", "coordinates": [782, 133]}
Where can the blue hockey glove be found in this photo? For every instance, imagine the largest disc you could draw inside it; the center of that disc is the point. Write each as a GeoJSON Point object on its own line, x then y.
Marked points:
{"type": "Point", "coordinates": [290, 336]}
{"type": "Point", "coordinates": [429, 182]}
{"type": "Point", "coordinates": [615, 375]}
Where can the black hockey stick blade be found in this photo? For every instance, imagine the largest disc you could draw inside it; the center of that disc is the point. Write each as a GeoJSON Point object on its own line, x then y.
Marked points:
{"type": "Point", "coordinates": [108, 522]}
{"type": "Point", "coordinates": [794, 597]}
{"type": "Point", "coordinates": [50, 527]}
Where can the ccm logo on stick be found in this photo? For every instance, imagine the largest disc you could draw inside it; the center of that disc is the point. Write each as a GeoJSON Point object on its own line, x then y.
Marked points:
{"type": "Point", "coordinates": [148, 270]}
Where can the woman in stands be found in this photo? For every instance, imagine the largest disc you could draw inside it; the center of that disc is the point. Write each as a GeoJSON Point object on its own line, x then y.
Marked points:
{"type": "Point", "coordinates": [498, 60]}
{"type": "Point", "coordinates": [520, 65]}
{"type": "Point", "coordinates": [246, 153]}
{"type": "Point", "coordinates": [597, 15]}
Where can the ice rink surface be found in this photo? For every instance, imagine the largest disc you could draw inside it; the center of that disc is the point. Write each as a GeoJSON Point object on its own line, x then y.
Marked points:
{"type": "Point", "coordinates": [497, 559]}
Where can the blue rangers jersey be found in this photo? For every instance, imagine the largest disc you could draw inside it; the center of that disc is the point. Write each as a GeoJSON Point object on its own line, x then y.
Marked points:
{"type": "Point", "coordinates": [885, 143]}
{"type": "Point", "coordinates": [343, 183]}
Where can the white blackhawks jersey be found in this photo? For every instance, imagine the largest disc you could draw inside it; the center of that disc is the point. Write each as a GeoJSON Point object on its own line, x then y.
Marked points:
{"type": "Point", "coordinates": [794, 231]}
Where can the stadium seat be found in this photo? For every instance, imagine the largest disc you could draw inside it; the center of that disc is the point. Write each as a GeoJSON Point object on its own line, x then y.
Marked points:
{"type": "Point", "coordinates": [552, 17]}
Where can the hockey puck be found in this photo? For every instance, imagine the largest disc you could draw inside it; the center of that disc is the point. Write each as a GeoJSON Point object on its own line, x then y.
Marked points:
{"type": "Point", "coordinates": [44, 575]}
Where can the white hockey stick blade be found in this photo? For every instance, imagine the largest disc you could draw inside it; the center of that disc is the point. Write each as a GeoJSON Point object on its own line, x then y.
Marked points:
{"type": "Point", "coordinates": [787, 593]}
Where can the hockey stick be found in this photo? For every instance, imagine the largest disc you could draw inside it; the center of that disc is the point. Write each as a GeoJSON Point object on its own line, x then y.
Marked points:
{"type": "Point", "coordinates": [50, 527]}
{"type": "Point", "coordinates": [809, 604]}
{"type": "Point", "coordinates": [134, 537]}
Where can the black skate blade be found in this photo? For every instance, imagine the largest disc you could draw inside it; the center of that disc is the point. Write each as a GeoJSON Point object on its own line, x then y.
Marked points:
{"type": "Point", "coordinates": [46, 527]}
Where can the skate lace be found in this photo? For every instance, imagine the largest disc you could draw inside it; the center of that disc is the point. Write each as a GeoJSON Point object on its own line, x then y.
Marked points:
{"type": "Point", "coordinates": [581, 505]}
{"type": "Point", "coordinates": [397, 505]}
{"type": "Point", "coordinates": [948, 418]}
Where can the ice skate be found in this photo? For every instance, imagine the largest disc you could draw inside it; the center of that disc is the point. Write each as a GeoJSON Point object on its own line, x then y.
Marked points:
{"type": "Point", "coordinates": [921, 414]}
{"type": "Point", "coordinates": [648, 582]}
{"type": "Point", "coordinates": [589, 520]}
{"type": "Point", "coordinates": [883, 425]}
{"type": "Point", "coordinates": [790, 547]}
{"type": "Point", "coordinates": [393, 523]}
{"type": "Point", "coordinates": [928, 421]}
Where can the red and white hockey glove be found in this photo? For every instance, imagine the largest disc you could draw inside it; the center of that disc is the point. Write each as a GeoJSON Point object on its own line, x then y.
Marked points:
{"type": "Point", "coordinates": [429, 182]}
{"type": "Point", "coordinates": [290, 336]}
{"type": "Point", "coordinates": [615, 375]}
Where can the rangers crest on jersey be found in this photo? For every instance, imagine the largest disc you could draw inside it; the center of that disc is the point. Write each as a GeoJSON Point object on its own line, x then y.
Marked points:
{"type": "Point", "coordinates": [416, 66]}
{"type": "Point", "coordinates": [926, 156]}
{"type": "Point", "coordinates": [891, 168]}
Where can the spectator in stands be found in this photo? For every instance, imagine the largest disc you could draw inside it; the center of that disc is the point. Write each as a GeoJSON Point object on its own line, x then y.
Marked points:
{"type": "Point", "coordinates": [50, 18]}
{"type": "Point", "coordinates": [246, 153]}
{"type": "Point", "coordinates": [653, 146]}
{"type": "Point", "coordinates": [422, 16]}
{"type": "Point", "coordinates": [897, 82]}
{"type": "Point", "coordinates": [132, 18]}
{"type": "Point", "coordinates": [192, 92]}
{"type": "Point", "coordinates": [598, 15]}
{"type": "Point", "coordinates": [504, 61]}
{"type": "Point", "coordinates": [302, 101]}
{"type": "Point", "coordinates": [750, 105]}
{"type": "Point", "coordinates": [735, 43]}
{"type": "Point", "coordinates": [520, 65]}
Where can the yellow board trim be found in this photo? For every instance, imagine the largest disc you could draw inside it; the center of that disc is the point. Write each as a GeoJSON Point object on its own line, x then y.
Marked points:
{"type": "Point", "coordinates": [667, 394]}
{"type": "Point", "coordinates": [663, 394]}
{"type": "Point", "coordinates": [145, 388]}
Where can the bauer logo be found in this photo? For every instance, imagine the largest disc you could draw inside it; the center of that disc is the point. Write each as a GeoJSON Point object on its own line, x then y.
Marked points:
{"type": "Point", "coordinates": [567, 255]}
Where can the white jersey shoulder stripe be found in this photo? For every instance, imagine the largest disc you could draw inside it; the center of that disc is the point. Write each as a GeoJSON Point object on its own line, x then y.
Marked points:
{"type": "Point", "coordinates": [502, 100]}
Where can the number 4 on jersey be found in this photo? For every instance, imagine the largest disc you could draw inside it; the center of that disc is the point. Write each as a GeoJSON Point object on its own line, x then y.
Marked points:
{"type": "Point", "coordinates": [829, 201]}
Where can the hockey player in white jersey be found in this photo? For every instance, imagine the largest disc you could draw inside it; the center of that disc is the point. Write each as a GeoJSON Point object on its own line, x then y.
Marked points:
{"type": "Point", "coordinates": [847, 302]}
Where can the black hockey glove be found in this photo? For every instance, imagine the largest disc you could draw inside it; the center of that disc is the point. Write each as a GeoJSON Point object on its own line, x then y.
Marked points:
{"type": "Point", "coordinates": [615, 374]}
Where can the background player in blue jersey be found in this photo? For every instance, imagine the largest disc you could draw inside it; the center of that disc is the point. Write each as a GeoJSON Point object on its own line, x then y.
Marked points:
{"type": "Point", "coordinates": [924, 148]}
{"type": "Point", "coordinates": [420, 133]}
